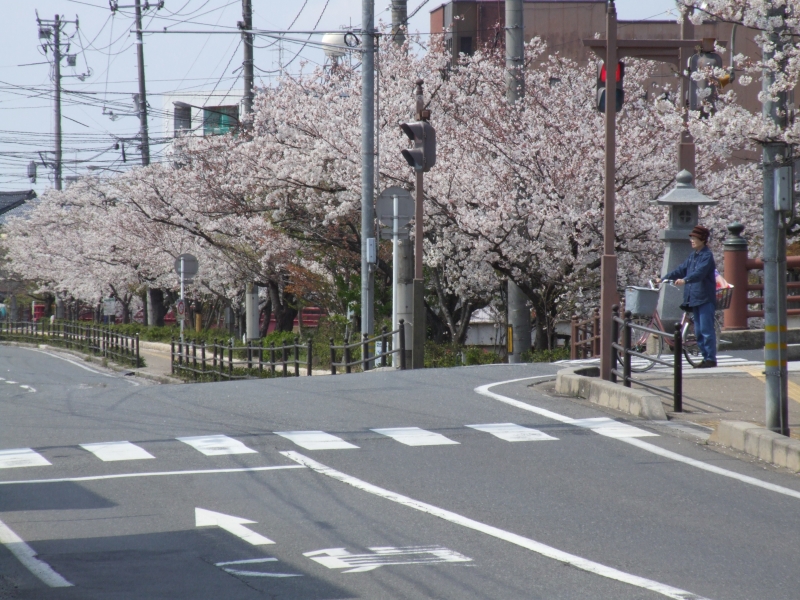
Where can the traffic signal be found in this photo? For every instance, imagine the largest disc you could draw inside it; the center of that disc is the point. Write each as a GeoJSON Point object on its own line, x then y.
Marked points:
{"type": "Point", "coordinates": [703, 92]}
{"type": "Point", "coordinates": [423, 155]}
{"type": "Point", "coordinates": [601, 86]}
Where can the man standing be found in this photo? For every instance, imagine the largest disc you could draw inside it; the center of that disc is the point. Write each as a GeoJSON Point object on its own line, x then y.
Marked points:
{"type": "Point", "coordinates": [697, 273]}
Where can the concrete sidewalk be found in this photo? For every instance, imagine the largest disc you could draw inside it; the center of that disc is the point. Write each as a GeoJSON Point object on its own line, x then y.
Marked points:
{"type": "Point", "coordinates": [726, 394]}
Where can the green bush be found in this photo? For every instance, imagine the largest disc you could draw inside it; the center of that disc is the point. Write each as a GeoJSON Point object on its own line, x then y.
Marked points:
{"type": "Point", "coordinates": [479, 356]}
{"type": "Point", "coordinates": [546, 355]}
{"type": "Point", "coordinates": [442, 355]}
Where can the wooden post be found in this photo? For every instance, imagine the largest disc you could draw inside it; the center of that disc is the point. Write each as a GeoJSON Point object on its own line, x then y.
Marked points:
{"type": "Point", "coordinates": [735, 253]}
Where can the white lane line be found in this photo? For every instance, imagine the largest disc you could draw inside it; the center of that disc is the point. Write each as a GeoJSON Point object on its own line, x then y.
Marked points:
{"type": "Point", "coordinates": [484, 391]}
{"type": "Point", "coordinates": [612, 428]}
{"type": "Point", "coordinates": [152, 474]}
{"type": "Point", "coordinates": [21, 457]}
{"type": "Point", "coordinates": [11, 382]}
{"type": "Point", "coordinates": [247, 561]}
{"type": "Point", "coordinates": [513, 538]}
{"type": "Point", "coordinates": [316, 440]}
{"type": "Point", "coordinates": [112, 451]}
{"type": "Point", "coordinates": [414, 436]}
{"type": "Point", "coordinates": [29, 388]}
{"type": "Point", "coordinates": [84, 367]}
{"type": "Point", "coordinates": [215, 445]}
{"type": "Point", "coordinates": [27, 556]}
{"type": "Point", "coordinates": [511, 432]}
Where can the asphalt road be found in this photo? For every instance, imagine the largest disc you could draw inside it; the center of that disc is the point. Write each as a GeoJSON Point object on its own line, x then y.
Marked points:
{"type": "Point", "coordinates": [207, 501]}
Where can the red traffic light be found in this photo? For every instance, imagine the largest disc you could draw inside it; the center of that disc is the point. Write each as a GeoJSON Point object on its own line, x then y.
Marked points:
{"type": "Point", "coordinates": [620, 71]}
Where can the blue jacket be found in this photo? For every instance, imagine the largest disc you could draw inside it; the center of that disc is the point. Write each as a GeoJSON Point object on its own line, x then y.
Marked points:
{"type": "Point", "coordinates": [698, 273]}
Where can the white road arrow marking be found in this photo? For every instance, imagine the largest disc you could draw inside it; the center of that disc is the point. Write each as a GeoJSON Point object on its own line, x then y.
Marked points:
{"type": "Point", "coordinates": [340, 558]}
{"type": "Point", "coordinates": [231, 524]}
{"type": "Point", "coordinates": [224, 567]}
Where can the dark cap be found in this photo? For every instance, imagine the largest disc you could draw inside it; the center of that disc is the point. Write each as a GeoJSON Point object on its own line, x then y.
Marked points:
{"type": "Point", "coordinates": [700, 232]}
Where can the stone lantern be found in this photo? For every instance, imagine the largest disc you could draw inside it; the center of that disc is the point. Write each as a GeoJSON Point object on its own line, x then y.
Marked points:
{"type": "Point", "coordinates": [684, 202]}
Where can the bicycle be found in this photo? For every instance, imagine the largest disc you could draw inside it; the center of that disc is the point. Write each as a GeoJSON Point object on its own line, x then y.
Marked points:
{"type": "Point", "coordinates": [651, 344]}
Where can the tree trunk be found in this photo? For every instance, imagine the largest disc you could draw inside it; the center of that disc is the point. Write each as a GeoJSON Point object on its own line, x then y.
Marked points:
{"type": "Point", "coordinates": [266, 310]}
{"type": "Point", "coordinates": [156, 307]}
{"type": "Point", "coordinates": [282, 308]}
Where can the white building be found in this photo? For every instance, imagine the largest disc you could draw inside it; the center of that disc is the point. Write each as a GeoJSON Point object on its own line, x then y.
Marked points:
{"type": "Point", "coordinates": [202, 113]}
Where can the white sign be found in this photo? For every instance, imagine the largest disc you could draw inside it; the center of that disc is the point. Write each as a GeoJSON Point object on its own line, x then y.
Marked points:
{"type": "Point", "coordinates": [109, 307]}
{"type": "Point", "coordinates": [180, 310]}
{"type": "Point", "coordinates": [231, 524]}
{"type": "Point", "coordinates": [340, 558]}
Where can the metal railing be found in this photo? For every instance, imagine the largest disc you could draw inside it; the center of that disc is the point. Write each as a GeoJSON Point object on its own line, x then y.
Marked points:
{"type": "Point", "coordinates": [585, 336]}
{"type": "Point", "coordinates": [628, 353]}
{"type": "Point", "coordinates": [221, 361]}
{"type": "Point", "coordinates": [366, 360]}
{"type": "Point", "coordinates": [100, 341]}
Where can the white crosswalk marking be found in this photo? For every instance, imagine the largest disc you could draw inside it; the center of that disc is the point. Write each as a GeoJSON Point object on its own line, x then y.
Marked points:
{"type": "Point", "coordinates": [512, 432]}
{"type": "Point", "coordinates": [611, 428]}
{"type": "Point", "coordinates": [214, 445]}
{"type": "Point", "coordinates": [112, 451]}
{"type": "Point", "coordinates": [21, 457]}
{"type": "Point", "coordinates": [414, 436]}
{"type": "Point", "coordinates": [316, 440]}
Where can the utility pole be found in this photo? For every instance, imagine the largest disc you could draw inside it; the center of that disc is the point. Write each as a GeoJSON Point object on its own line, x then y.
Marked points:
{"type": "Point", "coordinates": [608, 265]}
{"type": "Point", "coordinates": [404, 257]}
{"type": "Point", "coordinates": [519, 315]}
{"type": "Point", "coordinates": [367, 162]}
{"type": "Point", "coordinates": [252, 329]}
{"type": "Point", "coordinates": [399, 18]}
{"type": "Point", "coordinates": [48, 29]}
{"type": "Point", "coordinates": [57, 81]}
{"type": "Point", "coordinates": [776, 161]}
{"type": "Point", "coordinates": [246, 25]}
{"type": "Point", "coordinates": [143, 133]}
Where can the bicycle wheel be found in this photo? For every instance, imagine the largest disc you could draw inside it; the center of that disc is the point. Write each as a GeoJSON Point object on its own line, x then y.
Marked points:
{"type": "Point", "coordinates": [690, 348]}
{"type": "Point", "coordinates": [643, 342]}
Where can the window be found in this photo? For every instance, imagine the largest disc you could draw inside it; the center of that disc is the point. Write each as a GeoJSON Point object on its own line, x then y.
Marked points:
{"type": "Point", "coordinates": [183, 119]}
{"type": "Point", "coordinates": [465, 46]}
{"type": "Point", "coordinates": [218, 120]}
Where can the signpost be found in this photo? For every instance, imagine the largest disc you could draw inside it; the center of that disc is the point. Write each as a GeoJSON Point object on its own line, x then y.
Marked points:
{"type": "Point", "coordinates": [186, 266]}
{"type": "Point", "coordinates": [110, 309]}
{"type": "Point", "coordinates": [395, 209]}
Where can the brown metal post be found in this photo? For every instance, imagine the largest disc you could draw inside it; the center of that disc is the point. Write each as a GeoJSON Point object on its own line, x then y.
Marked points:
{"type": "Point", "coordinates": [402, 336]}
{"type": "Point", "coordinates": [677, 382]}
{"type": "Point", "coordinates": [614, 333]}
{"type": "Point", "coordinates": [384, 347]}
{"type": "Point", "coordinates": [309, 352]}
{"type": "Point", "coordinates": [573, 336]}
{"type": "Point", "coordinates": [172, 355]}
{"type": "Point", "coordinates": [203, 357]}
{"type": "Point", "coordinates": [333, 358]}
{"type": "Point", "coordinates": [365, 352]}
{"type": "Point", "coordinates": [297, 356]}
{"type": "Point", "coordinates": [272, 358]}
{"type": "Point", "coordinates": [735, 247]}
{"type": "Point", "coordinates": [595, 347]}
{"type": "Point", "coordinates": [285, 356]}
{"type": "Point", "coordinates": [608, 266]}
{"type": "Point", "coordinates": [230, 359]}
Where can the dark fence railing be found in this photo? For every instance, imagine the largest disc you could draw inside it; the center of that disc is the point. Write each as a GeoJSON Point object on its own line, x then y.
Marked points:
{"type": "Point", "coordinates": [626, 327]}
{"type": "Point", "coordinates": [367, 361]}
{"type": "Point", "coordinates": [585, 336]}
{"type": "Point", "coordinates": [221, 361]}
{"type": "Point", "coordinates": [100, 341]}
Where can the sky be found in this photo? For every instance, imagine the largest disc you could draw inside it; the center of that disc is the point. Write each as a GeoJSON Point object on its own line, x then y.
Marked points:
{"type": "Point", "coordinates": [175, 63]}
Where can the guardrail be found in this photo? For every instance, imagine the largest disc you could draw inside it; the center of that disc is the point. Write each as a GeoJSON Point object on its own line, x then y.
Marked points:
{"type": "Point", "coordinates": [101, 341]}
{"type": "Point", "coordinates": [626, 348]}
{"type": "Point", "coordinates": [220, 361]}
{"type": "Point", "coordinates": [585, 336]}
{"type": "Point", "coordinates": [365, 361]}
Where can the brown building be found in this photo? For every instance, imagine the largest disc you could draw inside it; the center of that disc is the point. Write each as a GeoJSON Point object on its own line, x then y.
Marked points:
{"type": "Point", "coordinates": [467, 25]}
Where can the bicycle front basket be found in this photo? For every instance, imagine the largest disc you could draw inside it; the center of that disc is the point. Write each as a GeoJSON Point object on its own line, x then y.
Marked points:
{"type": "Point", "coordinates": [724, 296]}
{"type": "Point", "coordinates": [641, 300]}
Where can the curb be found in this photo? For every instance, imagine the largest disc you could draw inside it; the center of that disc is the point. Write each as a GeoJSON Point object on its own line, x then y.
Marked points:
{"type": "Point", "coordinates": [760, 442]}
{"type": "Point", "coordinates": [583, 382]}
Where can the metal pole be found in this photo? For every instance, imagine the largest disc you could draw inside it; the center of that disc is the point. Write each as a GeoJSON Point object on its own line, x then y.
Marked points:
{"type": "Point", "coordinates": [399, 18]}
{"type": "Point", "coordinates": [247, 63]}
{"type": "Point", "coordinates": [608, 285]}
{"type": "Point", "coordinates": [519, 316]}
{"type": "Point", "coordinates": [143, 134]}
{"type": "Point", "coordinates": [677, 381]}
{"type": "Point", "coordinates": [395, 267]}
{"type": "Point", "coordinates": [774, 156]}
{"type": "Point", "coordinates": [184, 301]}
{"type": "Point", "coordinates": [367, 159]}
{"type": "Point", "coordinates": [57, 81]}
